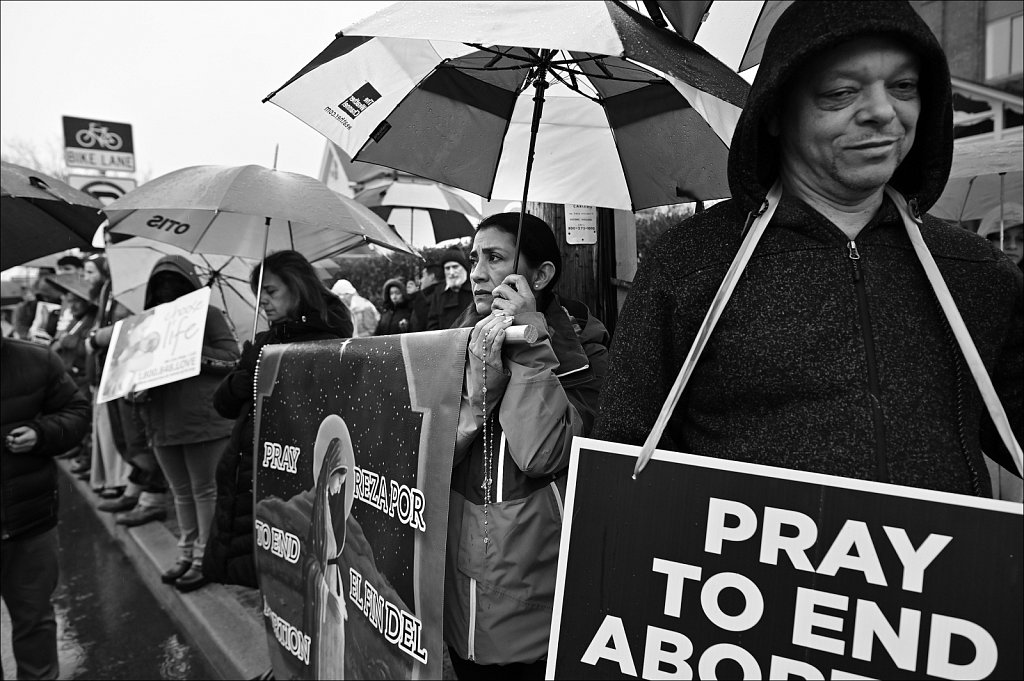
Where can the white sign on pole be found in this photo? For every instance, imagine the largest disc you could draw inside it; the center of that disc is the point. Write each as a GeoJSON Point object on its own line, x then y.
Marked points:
{"type": "Point", "coordinates": [105, 189]}
{"type": "Point", "coordinates": [580, 224]}
{"type": "Point", "coordinates": [162, 345]}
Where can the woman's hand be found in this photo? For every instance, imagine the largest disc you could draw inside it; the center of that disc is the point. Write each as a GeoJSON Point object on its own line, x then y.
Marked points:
{"type": "Point", "coordinates": [488, 336]}
{"type": "Point", "coordinates": [513, 296]}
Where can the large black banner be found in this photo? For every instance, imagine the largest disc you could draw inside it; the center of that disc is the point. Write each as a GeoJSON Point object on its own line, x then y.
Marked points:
{"type": "Point", "coordinates": [354, 451]}
{"type": "Point", "coordinates": [703, 568]}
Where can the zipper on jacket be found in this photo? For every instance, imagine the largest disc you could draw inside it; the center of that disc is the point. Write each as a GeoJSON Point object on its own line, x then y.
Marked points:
{"type": "Point", "coordinates": [471, 641]}
{"type": "Point", "coordinates": [881, 458]}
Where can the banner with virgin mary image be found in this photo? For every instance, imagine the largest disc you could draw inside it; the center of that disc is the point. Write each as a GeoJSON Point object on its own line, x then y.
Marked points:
{"type": "Point", "coordinates": [353, 458]}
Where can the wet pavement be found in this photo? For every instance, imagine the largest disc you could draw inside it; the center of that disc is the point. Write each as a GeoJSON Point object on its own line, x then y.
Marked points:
{"type": "Point", "coordinates": [108, 623]}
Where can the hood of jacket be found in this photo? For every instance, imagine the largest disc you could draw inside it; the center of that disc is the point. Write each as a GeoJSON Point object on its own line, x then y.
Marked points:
{"type": "Point", "coordinates": [387, 299]}
{"type": "Point", "coordinates": [177, 264]}
{"type": "Point", "coordinates": [810, 27]}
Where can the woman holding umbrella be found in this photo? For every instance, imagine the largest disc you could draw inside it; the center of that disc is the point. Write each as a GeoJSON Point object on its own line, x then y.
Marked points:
{"type": "Point", "coordinates": [298, 308]}
{"type": "Point", "coordinates": [521, 406]}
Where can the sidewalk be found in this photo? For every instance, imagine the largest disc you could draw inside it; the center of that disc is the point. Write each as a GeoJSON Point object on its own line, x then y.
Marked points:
{"type": "Point", "coordinates": [223, 622]}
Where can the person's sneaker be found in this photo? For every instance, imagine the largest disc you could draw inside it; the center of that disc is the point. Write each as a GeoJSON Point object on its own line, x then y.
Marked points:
{"type": "Point", "coordinates": [171, 575]}
{"type": "Point", "coordinates": [191, 580]}
{"type": "Point", "coordinates": [140, 515]}
{"type": "Point", "coordinates": [122, 503]}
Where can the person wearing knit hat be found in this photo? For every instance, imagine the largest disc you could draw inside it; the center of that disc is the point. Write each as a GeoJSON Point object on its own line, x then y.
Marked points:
{"type": "Point", "coordinates": [449, 302]}
{"type": "Point", "coordinates": [832, 354]}
{"type": "Point", "coordinates": [364, 315]}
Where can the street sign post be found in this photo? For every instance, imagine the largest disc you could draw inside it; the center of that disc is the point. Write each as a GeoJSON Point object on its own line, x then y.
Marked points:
{"type": "Point", "coordinates": [105, 189]}
{"type": "Point", "coordinates": [104, 145]}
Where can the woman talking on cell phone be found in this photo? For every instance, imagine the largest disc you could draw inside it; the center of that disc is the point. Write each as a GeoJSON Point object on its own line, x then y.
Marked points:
{"type": "Point", "coordinates": [521, 406]}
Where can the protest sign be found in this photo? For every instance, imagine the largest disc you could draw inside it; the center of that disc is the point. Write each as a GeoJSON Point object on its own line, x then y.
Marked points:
{"type": "Point", "coordinates": [353, 455]}
{"type": "Point", "coordinates": [717, 569]}
{"type": "Point", "coordinates": [162, 345]}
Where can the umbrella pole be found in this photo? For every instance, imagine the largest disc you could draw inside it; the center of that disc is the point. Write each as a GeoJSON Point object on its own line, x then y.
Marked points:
{"type": "Point", "coordinates": [1002, 189]}
{"type": "Point", "coordinates": [259, 285]}
{"type": "Point", "coordinates": [538, 107]}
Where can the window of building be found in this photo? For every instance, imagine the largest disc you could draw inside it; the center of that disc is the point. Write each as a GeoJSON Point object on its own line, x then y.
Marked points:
{"type": "Point", "coordinates": [1004, 47]}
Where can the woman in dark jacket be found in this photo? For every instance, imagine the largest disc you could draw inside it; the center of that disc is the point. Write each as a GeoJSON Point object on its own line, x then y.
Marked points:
{"type": "Point", "coordinates": [298, 308]}
{"type": "Point", "coordinates": [397, 316]}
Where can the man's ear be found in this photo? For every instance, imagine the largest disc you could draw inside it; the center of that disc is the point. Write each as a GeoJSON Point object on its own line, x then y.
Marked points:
{"type": "Point", "coordinates": [544, 274]}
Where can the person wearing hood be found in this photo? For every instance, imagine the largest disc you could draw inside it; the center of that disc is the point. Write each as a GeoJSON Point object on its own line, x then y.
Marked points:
{"type": "Point", "coordinates": [455, 296]}
{"type": "Point", "coordinates": [397, 310]}
{"type": "Point", "coordinates": [521, 405]}
{"type": "Point", "coordinates": [299, 308]}
{"type": "Point", "coordinates": [188, 436]}
{"type": "Point", "coordinates": [364, 315]}
{"type": "Point", "coordinates": [833, 355]}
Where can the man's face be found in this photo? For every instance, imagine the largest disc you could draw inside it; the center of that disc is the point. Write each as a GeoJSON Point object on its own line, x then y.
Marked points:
{"type": "Point", "coordinates": [849, 119]}
{"type": "Point", "coordinates": [427, 279]}
{"type": "Point", "coordinates": [454, 274]}
{"type": "Point", "coordinates": [69, 269]}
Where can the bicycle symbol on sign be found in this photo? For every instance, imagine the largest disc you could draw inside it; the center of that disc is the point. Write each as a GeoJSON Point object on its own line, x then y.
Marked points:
{"type": "Point", "coordinates": [98, 135]}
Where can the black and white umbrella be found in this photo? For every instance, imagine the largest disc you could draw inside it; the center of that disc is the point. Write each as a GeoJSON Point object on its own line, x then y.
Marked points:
{"type": "Point", "coordinates": [568, 102]}
{"type": "Point", "coordinates": [424, 213]}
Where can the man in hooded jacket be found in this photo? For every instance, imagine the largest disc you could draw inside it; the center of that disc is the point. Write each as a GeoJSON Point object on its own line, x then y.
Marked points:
{"type": "Point", "coordinates": [832, 355]}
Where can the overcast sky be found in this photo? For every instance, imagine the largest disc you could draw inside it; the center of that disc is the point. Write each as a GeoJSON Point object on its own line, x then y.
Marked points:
{"type": "Point", "coordinates": [189, 76]}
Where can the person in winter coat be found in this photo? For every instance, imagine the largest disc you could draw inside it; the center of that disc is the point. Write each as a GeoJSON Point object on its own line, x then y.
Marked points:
{"type": "Point", "coordinates": [397, 311]}
{"type": "Point", "coordinates": [298, 308]}
{"type": "Point", "coordinates": [453, 294]}
{"type": "Point", "coordinates": [431, 276]}
{"type": "Point", "coordinates": [832, 355]}
{"type": "Point", "coordinates": [364, 315]}
{"type": "Point", "coordinates": [110, 470]}
{"type": "Point", "coordinates": [70, 343]}
{"type": "Point", "coordinates": [41, 415]}
{"type": "Point", "coordinates": [521, 406]}
{"type": "Point", "coordinates": [188, 436]}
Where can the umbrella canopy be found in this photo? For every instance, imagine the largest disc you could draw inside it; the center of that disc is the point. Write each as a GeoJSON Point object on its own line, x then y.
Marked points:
{"type": "Point", "coordinates": [424, 214]}
{"type": "Point", "coordinates": [248, 211]}
{"type": "Point", "coordinates": [616, 111]}
{"type": "Point", "coordinates": [40, 215]}
{"type": "Point", "coordinates": [70, 283]}
{"type": "Point", "coordinates": [131, 263]}
{"type": "Point", "coordinates": [984, 174]}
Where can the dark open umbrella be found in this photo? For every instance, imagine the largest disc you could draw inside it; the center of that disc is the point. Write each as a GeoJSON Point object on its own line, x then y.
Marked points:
{"type": "Point", "coordinates": [40, 215]}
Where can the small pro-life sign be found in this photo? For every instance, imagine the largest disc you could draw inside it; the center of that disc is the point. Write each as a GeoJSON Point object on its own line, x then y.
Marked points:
{"type": "Point", "coordinates": [705, 568]}
{"type": "Point", "coordinates": [161, 345]}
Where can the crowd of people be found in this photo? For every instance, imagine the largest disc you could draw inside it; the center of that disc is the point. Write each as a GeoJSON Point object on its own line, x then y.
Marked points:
{"type": "Point", "coordinates": [833, 355]}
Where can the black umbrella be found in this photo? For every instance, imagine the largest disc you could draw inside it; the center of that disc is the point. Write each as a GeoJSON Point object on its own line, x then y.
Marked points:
{"type": "Point", "coordinates": [40, 215]}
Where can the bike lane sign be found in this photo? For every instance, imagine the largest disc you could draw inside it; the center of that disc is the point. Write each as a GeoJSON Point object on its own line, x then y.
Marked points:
{"type": "Point", "coordinates": [104, 145]}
